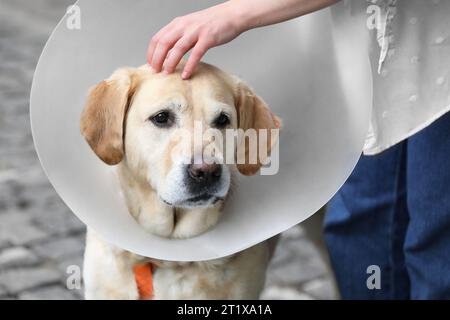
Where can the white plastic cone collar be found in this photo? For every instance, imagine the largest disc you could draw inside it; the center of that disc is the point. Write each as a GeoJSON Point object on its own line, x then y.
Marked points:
{"type": "Point", "coordinates": [321, 88]}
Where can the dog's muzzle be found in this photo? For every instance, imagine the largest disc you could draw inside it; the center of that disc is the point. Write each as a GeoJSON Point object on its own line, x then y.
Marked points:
{"type": "Point", "coordinates": [202, 181]}
{"type": "Point", "coordinates": [197, 185]}
{"type": "Point", "coordinates": [201, 177]}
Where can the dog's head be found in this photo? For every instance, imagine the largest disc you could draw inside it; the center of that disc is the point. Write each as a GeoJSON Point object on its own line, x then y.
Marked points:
{"type": "Point", "coordinates": [148, 122]}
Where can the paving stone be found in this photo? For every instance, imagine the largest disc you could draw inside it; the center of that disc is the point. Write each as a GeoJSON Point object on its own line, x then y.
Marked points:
{"type": "Point", "coordinates": [293, 233]}
{"type": "Point", "coordinates": [71, 261]}
{"type": "Point", "coordinates": [4, 243]}
{"type": "Point", "coordinates": [281, 255]}
{"type": "Point", "coordinates": [28, 188]}
{"type": "Point", "coordinates": [8, 194]}
{"type": "Point", "coordinates": [293, 272]}
{"type": "Point", "coordinates": [321, 289]}
{"type": "Point", "coordinates": [17, 257]}
{"type": "Point", "coordinates": [18, 280]}
{"type": "Point", "coordinates": [49, 293]}
{"type": "Point", "coordinates": [3, 293]}
{"type": "Point", "coordinates": [304, 250]}
{"type": "Point", "coordinates": [60, 249]}
{"type": "Point", "coordinates": [16, 228]}
{"type": "Point", "coordinates": [57, 220]}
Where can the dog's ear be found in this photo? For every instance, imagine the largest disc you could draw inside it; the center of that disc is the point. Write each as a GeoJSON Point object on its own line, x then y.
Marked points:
{"type": "Point", "coordinates": [102, 120]}
{"type": "Point", "coordinates": [253, 113]}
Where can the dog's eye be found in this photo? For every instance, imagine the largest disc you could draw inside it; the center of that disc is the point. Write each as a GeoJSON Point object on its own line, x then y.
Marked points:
{"type": "Point", "coordinates": [222, 121]}
{"type": "Point", "coordinates": [163, 119]}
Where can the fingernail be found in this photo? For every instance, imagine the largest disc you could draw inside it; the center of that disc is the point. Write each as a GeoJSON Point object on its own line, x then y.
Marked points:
{"type": "Point", "coordinates": [184, 75]}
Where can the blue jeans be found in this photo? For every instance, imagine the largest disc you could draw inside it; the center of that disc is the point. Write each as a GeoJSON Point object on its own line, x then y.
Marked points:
{"type": "Point", "coordinates": [394, 212]}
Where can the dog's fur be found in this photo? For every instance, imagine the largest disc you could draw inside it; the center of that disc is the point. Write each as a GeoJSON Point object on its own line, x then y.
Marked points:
{"type": "Point", "coordinates": [149, 164]}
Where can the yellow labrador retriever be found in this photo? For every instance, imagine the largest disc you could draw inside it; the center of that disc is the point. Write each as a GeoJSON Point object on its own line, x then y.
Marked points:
{"type": "Point", "coordinates": [133, 120]}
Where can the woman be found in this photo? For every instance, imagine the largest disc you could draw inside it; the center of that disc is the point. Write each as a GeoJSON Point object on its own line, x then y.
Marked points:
{"type": "Point", "coordinates": [393, 213]}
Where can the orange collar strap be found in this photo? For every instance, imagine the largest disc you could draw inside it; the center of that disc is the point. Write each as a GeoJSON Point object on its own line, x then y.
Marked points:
{"type": "Point", "coordinates": [143, 274]}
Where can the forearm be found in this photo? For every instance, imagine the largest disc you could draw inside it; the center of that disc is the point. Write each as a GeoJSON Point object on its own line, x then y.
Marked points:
{"type": "Point", "coordinates": [257, 13]}
{"type": "Point", "coordinates": [218, 25]}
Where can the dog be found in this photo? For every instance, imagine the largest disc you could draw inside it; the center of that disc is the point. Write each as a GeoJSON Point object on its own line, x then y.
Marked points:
{"type": "Point", "coordinates": [131, 121]}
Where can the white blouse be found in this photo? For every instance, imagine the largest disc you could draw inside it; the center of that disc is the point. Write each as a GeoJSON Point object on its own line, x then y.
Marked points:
{"type": "Point", "coordinates": [410, 57]}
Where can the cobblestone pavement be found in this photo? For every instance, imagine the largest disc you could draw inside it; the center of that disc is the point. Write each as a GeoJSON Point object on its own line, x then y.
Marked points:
{"type": "Point", "coordinates": [39, 236]}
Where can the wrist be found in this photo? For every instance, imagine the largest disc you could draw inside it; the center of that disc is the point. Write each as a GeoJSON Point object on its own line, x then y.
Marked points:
{"type": "Point", "coordinates": [241, 18]}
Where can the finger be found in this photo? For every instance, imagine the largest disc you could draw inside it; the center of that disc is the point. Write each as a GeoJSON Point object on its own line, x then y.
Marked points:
{"type": "Point", "coordinates": [196, 55]}
{"type": "Point", "coordinates": [182, 46]}
{"type": "Point", "coordinates": [159, 35]}
{"type": "Point", "coordinates": [151, 50]}
{"type": "Point", "coordinates": [165, 43]}
{"type": "Point", "coordinates": [154, 42]}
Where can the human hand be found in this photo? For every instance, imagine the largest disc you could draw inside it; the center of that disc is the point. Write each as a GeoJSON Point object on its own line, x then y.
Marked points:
{"type": "Point", "coordinates": [198, 31]}
{"type": "Point", "coordinates": [217, 25]}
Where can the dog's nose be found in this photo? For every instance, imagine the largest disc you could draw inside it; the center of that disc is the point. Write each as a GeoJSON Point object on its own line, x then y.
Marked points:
{"type": "Point", "coordinates": [205, 173]}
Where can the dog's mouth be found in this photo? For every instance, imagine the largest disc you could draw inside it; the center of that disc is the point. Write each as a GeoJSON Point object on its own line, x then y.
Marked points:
{"type": "Point", "coordinates": [201, 200]}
